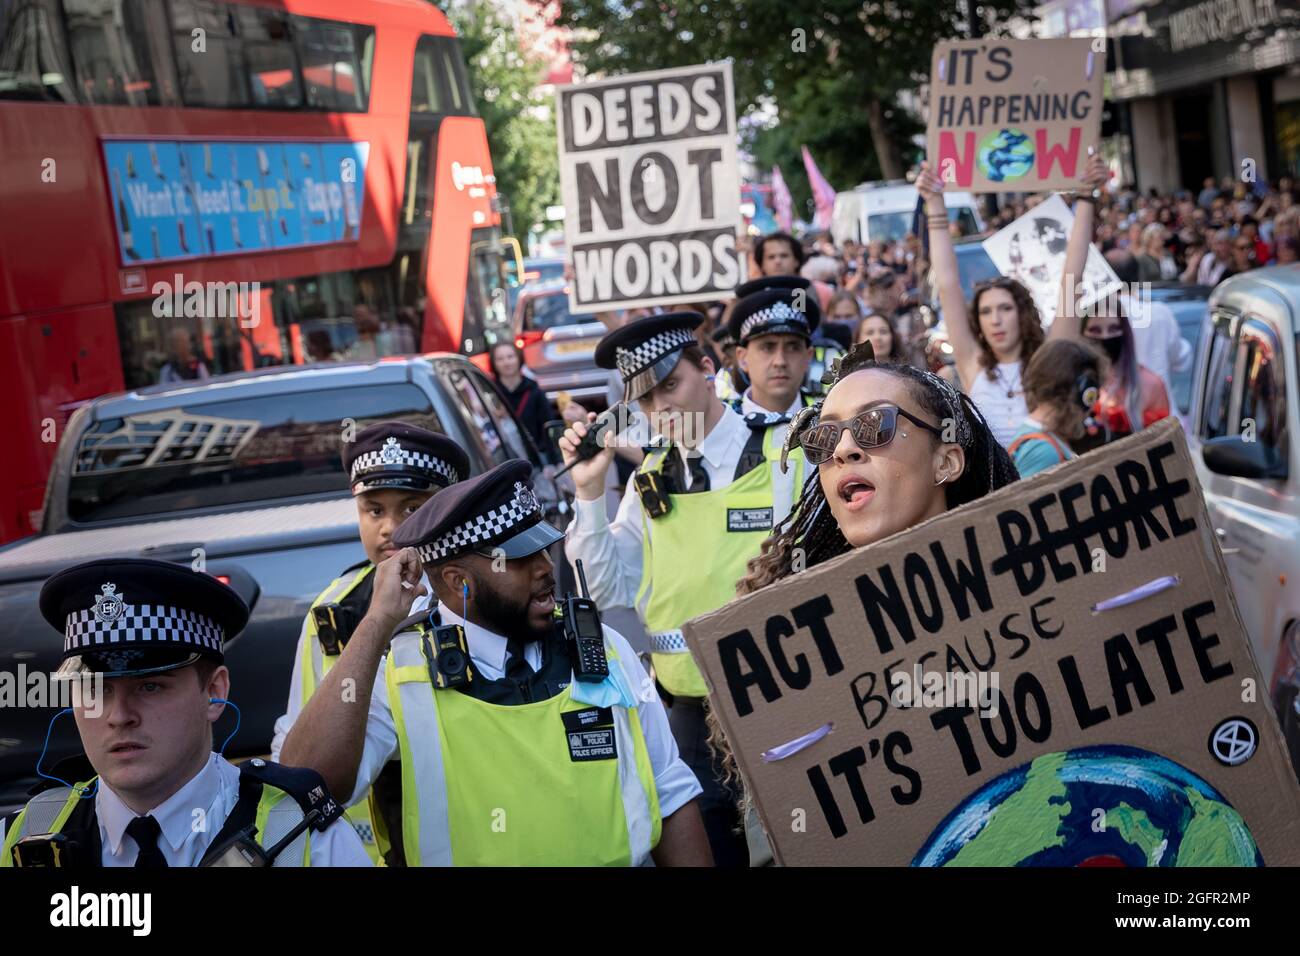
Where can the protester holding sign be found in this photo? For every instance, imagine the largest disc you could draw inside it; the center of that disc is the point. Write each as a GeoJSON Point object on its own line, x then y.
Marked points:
{"type": "Point", "coordinates": [883, 465]}
{"type": "Point", "coordinates": [1002, 329]}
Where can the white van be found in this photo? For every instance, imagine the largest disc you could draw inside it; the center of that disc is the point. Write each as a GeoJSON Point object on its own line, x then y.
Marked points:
{"type": "Point", "coordinates": [883, 212]}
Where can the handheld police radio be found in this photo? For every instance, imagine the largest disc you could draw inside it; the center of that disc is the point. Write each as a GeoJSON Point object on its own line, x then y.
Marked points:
{"type": "Point", "coordinates": [592, 443]}
{"type": "Point", "coordinates": [447, 653]}
{"type": "Point", "coordinates": [584, 635]}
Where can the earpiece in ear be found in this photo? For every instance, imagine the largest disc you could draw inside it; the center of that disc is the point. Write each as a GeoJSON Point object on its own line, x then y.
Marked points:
{"type": "Point", "coordinates": [942, 478]}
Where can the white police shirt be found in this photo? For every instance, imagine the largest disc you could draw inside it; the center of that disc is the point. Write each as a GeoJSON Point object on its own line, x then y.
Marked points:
{"type": "Point", "coordinates": [611, 553]}
{"type": "Point", "coordinates": [293, 708]}
{"type": "Point", "coordinates": [192, 816]}
{"type": "Point", "coordinates": [674, 781]}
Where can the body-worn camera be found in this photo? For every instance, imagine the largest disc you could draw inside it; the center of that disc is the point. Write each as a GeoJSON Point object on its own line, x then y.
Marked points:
{"type": "Point", "coordinates": [47, 851]}
{"type": "Point", "coordinates": [653, 491]}
{"type": "Point", "coordinates": [334, 626]}
{"type": "Point", "coordinates": [447, 653]}
{"type": "Point", "coordinates": [583, 635]}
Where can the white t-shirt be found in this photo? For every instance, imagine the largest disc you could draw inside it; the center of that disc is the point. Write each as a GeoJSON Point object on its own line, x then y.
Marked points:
{"type": "Point", "coordinates": [1004, 412]}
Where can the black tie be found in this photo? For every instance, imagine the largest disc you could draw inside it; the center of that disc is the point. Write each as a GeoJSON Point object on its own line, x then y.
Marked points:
{"type": "Point", "coordinates": [144, 831]}
{"type": "Point", "coordinates": [517, 666]}
{"type": "Point", "coordinates": [699, 477]}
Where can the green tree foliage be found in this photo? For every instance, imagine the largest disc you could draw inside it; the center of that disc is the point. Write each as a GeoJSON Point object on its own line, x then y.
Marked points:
{"type": "Point", "coordinates": [520, 123]}
{"type": "Point", "coordinates": [834, 69]}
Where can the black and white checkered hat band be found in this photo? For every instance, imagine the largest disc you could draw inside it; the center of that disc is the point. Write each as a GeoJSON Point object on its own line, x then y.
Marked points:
{"type": "Point", "coordinates": [631, 361]}
{"type": "Point", "coordinates": [494, 525]}
{"type": "Point", "coordinates": [375, 461]}
{"type": "Point", "coordinates": [781, 315]}
{"type": "Point", "coordinates": [139, 624]}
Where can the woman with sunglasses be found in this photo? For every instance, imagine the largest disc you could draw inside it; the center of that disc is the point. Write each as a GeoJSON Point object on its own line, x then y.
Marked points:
{"type": "Point", "coordinates": [1002, 328]}
{"type": "Point", "coordinates": [880, 441]}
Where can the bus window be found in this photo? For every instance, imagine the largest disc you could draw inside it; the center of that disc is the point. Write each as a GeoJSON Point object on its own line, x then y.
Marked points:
{"type": "Point", "coordinates": [331, 65]}
{"type": "Point", "coordinates": [426, 87]}
{"type": "Point", "coordinates": [33, 61]}
{"type": "Point", "coordinates": [212, 75]}
{"type": "Point", "coordinates": [486, 321]}
{"type": "Point", "coordinates": [110, 50]}
{"type": "Point", "coordinates": [269, 60]}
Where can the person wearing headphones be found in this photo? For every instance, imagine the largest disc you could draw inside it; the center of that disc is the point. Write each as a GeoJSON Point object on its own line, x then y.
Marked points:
{"type": "Point", "coordinates": [393, 468]}
{"type": "Point", "coordinates": [700, 506]}
{"type": "Point", "coordinates": [1061, 382]}
{"type": "Point", "coordinates": [145, 639]}
{"type": "Point", "coordinates": [520, 744]}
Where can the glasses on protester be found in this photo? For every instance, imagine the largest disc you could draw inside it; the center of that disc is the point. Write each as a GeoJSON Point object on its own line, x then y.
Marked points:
{"type": "Point", "coordinates": [873, 428]}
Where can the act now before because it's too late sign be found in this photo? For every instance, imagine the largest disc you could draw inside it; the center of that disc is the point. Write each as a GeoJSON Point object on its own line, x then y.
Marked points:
{"type": "Point", "coordinates": [1118, 717]}
{"type": "Point", "coordinates": [651, 188]}
{"type": "Point", "coordinates": [1013, 115]}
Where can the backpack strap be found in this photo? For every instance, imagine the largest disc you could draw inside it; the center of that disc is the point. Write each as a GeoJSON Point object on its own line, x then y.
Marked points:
{"type": "Point", "coordinates": [1038, 436]}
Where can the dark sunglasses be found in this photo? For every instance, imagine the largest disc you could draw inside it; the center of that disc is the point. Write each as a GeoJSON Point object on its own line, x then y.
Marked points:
{"type": "Point", "coordinates": [873, 428]}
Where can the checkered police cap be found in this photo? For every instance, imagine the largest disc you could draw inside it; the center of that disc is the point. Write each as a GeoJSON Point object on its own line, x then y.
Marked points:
{"type": "Point", "coordinates": [646, 351]}
{"type": "Point", "coordinates": [632, 360]}
{"type": "Point", "coordinates": [491, 510]}
{"type": "Point", "coordinates": [779, 317]}
{"type": "Point", "coordinates": [129, 614]}
{"type": "Point", "coordinates": [774, 305]}
{"type": "Point", "coordinates": [401, 455]}
{"type": "Point", "coordinates": [394, 454]}
{"type": "Point", "coordinates": [519, 512]}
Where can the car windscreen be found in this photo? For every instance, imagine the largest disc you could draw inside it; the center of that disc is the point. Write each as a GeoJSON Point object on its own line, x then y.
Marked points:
{"type": "Point", "coordinates": [215, 454]}
{"type": "Point", "coordinates": [893, 226]}
{"type": "Point", "coordinates": [544, 312]}
{"type": "Point", "coordinates": [973, 267]}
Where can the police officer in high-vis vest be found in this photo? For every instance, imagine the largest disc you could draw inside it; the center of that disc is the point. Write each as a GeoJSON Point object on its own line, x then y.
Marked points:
{"type": "Point", "coordinates": [521, 743]}
{"type": "Point", "coordinates": [773, 322]}
{"type": "Point", "coordinates": [698, 509]}
{"type": "Point", "coordinates": [144, 642]}
{"type": "Point", "coordinates": [393, 468]}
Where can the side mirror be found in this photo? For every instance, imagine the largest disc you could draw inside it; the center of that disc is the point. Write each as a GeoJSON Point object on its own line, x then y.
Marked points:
{"type": "Point", "coordinates": [1233, 456]}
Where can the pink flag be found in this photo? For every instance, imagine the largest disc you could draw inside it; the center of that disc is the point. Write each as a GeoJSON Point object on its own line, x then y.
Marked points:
{"type": "Point", "coordinates": [784, 204]}
{"type": "Point", "coordinates": [823, 192]}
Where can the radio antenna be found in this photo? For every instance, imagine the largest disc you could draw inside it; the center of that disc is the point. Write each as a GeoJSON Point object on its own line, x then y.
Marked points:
{"type": "Point", "coordinates": [582, 579]}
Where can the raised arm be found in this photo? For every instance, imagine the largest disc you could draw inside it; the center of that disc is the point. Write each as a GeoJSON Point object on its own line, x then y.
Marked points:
{"type": "Point", "coordinates": [1066, 325]}
{"type": "Point", "coordinates": [952, 301]}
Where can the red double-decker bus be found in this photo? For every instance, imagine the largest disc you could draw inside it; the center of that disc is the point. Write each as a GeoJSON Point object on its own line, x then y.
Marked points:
{"type": "Point", "coordinates": [194, 187]}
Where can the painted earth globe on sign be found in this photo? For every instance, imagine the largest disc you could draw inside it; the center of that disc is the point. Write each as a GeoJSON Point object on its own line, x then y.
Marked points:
{"type": "Point", "coordinates": [1095, 806]}
{"type": "Point", "coordinates": [1005, 155]}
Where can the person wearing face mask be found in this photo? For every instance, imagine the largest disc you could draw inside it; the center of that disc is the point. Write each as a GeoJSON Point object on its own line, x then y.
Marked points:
{"type": "Point", "coordinates": [1062, 384]}
{"type": "Point", "coordinates": [393, 468]}
{"type": "Point", "coordinates": [883, 466]}
{"type": "Point", "coordinates": [1003, 328]}
{"type": "Point", "coordinates": [1132, 396]}
{"type": "Point", "coordinates": [516, 748]}
{"type": "Point", "coordinates": [698, 509]}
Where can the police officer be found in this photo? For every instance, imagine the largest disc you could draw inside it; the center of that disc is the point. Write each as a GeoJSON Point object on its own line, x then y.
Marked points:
{"type": "Point", "coordinates": [145, 639]}
{"type": "Point", "coordinates": [773, 322]}
{"type": "Point", "coordinates": [697, 510]}
{"type": "Point", "coordinates": [393, 468]}
{"type": "Point", "coordinates": [506, 757]}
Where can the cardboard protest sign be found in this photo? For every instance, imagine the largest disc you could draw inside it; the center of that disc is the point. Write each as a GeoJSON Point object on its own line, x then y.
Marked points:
{"type": "Point", "coordinates": [651, 188]}
{"type": "Point", "coordinates": [1056, 674]}
{"type": "Point", "coordinates": [1032, 250]}
{"type": "Point", "coordinates": [1013, 115]}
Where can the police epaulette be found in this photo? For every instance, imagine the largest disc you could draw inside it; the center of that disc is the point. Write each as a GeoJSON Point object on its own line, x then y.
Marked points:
{"type": "Point", "coordinates": [412, 623]}
{"type": "Point", "coordinates": [765, 419]}
{"type": "Point", "coordinates": [736, 405]}
{"type": "Point", "coordinates": [356, 567]}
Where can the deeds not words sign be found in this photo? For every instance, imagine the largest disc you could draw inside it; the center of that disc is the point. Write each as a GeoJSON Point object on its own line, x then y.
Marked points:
{"type": "Point", "coordinates": [1053, 675]}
